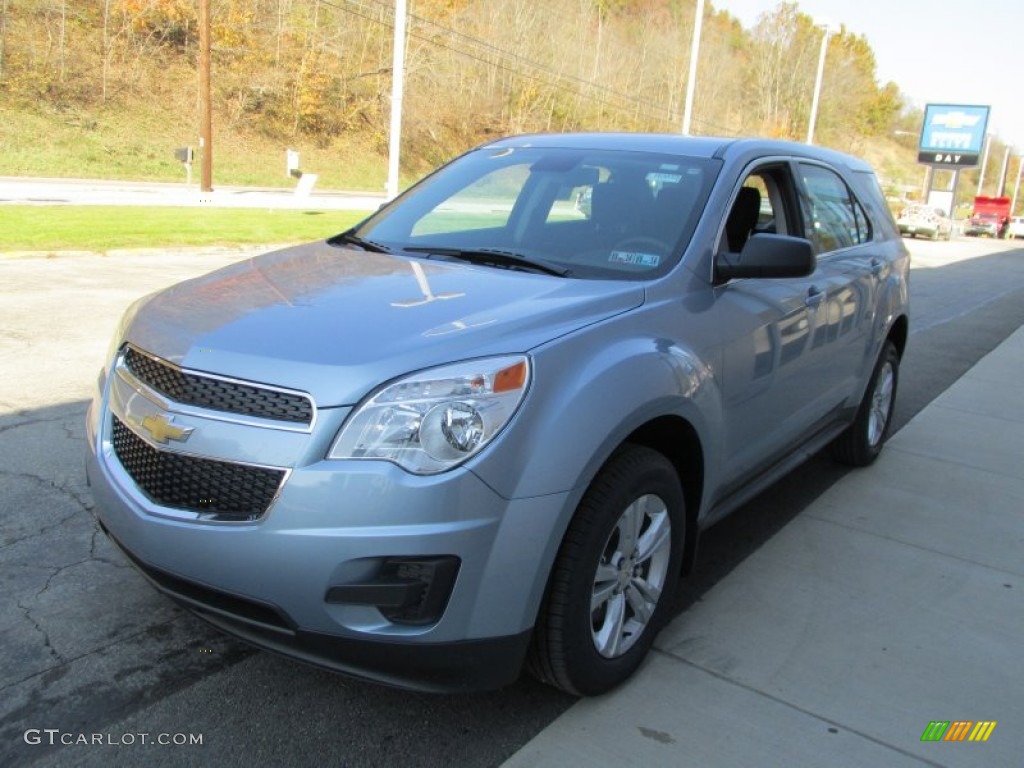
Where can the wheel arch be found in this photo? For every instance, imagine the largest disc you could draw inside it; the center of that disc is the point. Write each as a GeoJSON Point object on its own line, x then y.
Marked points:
{"type": "Point", "coordinates": [898, 334]}
{"type": "Point", "coordinates": [676, 439]}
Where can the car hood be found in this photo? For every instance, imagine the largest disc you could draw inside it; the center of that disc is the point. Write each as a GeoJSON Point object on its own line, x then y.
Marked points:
{"type": "Point", "coordinates": [337, 322]}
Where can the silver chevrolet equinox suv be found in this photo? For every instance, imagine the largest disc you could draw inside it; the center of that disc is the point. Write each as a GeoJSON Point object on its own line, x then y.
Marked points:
{"type": "Point", "coordinates": [483, 429]}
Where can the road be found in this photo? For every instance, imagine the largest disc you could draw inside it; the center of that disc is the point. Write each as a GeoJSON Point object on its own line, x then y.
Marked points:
{"type": "Point", "coordinates": [88, 647]}
{"type": "Point", "coordinates": [30, 191]}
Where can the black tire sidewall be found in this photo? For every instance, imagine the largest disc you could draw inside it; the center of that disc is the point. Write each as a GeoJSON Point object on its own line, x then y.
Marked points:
{"type": "Point", "coordinates": [867, 452]}
{"type": "Point", "coordinates": [631, 473]}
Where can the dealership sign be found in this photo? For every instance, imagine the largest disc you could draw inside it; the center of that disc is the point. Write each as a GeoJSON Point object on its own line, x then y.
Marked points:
{"type": "Point", "coordinates": [952, 135]}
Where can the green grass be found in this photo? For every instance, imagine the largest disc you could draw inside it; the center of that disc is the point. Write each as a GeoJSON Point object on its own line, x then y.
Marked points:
{"type": "Point", "coordinates": [102, 228]}
{"type": "Point", "coordinates": [138, 144]}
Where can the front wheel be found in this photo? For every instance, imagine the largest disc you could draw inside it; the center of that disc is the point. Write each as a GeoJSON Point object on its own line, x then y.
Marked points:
{"type": "Point", "coordinates": [612, 584]}
{"type": "Point", "coordinates": [862, 441]}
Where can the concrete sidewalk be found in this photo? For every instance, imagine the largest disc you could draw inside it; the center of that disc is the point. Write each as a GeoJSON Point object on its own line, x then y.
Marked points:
{"type": "Point", "coordinates": [894, 600]}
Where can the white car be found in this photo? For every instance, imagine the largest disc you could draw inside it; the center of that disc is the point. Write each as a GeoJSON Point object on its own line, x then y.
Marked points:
{"type": "Point", "coordinates": [1016, 227]}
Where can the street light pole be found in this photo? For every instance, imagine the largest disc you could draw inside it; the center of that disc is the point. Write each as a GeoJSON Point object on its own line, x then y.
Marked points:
{"type": "Point", "coordinates": [984, 161]}
{"type": "Point", "coordinates": [691, 83]}
{"type": "Point", "coordinates": [1016, 185]}
{"type": "Point", "coordinates": [828, 30]}
{"type": "Point", "coordinates": [1001, 189]}
{"type": "Point", "coordinates": [397, 86]}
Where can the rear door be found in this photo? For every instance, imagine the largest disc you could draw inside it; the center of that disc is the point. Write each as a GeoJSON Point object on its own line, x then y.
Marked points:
{"type": "Point", "coordinates": [851, 260]}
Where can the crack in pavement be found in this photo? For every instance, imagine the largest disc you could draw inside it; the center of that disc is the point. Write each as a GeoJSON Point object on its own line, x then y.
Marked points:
{"type": "Point", "coordinates": [37, 420]}
{"type": "Point", "coordinates": [98, 649]}
{"type": "Point", "coordinates": [82, 504]}
{"type": "Point", "coordinates": [27, 613]}
{"type": "Point", "coordinates": [27, 609]}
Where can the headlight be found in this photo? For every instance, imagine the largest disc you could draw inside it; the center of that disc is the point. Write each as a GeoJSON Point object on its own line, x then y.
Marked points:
{"type": "Point", "coordinates": [434, 420]}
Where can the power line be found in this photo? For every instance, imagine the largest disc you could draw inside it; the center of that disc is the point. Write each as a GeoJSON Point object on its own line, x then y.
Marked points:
{"type": "Point", "coordinates": [505, 54]}
{"type": "Point", "coordinates": [382, 13]}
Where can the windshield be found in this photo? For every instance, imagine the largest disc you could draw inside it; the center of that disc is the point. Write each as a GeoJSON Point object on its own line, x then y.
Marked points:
{"type": "Point", "coordinates": [596, 214]}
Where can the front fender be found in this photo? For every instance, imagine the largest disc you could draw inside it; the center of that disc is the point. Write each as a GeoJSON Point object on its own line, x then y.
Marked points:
{"type": "Point", "coordinates": [590, 391]}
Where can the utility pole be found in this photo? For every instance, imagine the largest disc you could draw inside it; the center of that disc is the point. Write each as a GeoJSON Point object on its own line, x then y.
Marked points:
{"type": "Point", "coordinates": [397, 84]}
{"type": "Point", "coordinates": [205, 112]}
{"type": "Point", "coordinates": [3, 35]}
{"type": "Point", "coordinates": [691, 83]}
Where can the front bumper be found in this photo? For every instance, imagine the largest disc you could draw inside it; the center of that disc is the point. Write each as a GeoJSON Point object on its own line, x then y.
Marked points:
{"type": "Point", "coordinates": [336, 524]}
{"type": "Point", "coordinates": [918, 229]}
{"type": "Point", "coordinates": [981, 231]}
{"type": "Point", "coordinates": [470, 665]}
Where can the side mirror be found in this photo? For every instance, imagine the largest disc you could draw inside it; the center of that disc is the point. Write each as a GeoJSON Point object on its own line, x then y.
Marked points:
{"type": "Point", "coordinates": [766, 255]}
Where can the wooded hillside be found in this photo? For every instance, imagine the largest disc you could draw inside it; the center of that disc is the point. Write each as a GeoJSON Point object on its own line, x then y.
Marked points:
{"type": "Point", "coordinates": [315, 74]}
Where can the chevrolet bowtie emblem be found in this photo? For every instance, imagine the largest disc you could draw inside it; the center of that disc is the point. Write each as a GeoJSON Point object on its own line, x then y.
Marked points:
{"type": "Point", "coordinates": [161, 429]}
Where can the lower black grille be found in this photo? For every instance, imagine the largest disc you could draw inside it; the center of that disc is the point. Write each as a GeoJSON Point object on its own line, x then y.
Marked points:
{"type": "Point", "coordinates": [221, 489]}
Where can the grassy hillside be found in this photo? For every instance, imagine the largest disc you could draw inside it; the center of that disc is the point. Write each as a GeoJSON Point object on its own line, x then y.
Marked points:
{"type": "Point", "coordinates": [110, 89]}
{"type": "Point", "coordinates": [136, 141]}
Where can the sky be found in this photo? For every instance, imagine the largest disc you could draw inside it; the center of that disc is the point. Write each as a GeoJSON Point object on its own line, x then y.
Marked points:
{"type": "Point", "coordinates": [937, 52]}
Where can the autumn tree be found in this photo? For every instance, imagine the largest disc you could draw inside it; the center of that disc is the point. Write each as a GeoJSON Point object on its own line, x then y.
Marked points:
{"type": "Point", "coordinates": [319, 70]}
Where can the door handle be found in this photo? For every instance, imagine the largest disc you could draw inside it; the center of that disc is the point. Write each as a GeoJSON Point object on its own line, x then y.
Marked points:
{"type": "Point", "coordinates": [876, 266]}
{"type": "Point", "coordinates": [814, 296]}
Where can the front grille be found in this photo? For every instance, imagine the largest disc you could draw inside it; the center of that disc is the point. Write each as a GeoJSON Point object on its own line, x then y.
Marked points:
{"type": "Point", "coordinates": [221, 489]}
{"type": "Point", "coordinates": [217, 394]}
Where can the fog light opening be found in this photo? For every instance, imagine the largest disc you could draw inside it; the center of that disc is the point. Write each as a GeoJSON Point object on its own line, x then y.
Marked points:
{"type": "Point", "coordinates": [407, 590]}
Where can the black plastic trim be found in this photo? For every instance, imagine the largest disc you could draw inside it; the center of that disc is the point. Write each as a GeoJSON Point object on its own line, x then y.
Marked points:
{"type": "Point", "coordinates": [452, 667]}
{"type": "Point", "coordinates": [466, 666]}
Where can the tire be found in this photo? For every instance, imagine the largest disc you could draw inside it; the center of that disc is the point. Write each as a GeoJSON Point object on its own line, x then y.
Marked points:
{"type": "Point", "coordinates": [862, 441]}
{"type": "Point", "coordinates": [612, 585]}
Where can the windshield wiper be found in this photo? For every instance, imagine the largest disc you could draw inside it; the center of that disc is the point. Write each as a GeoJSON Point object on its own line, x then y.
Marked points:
{"type": "Point", "coordinates": [347, 238]}
{"type": "Point", "coordinates": [494, 257]}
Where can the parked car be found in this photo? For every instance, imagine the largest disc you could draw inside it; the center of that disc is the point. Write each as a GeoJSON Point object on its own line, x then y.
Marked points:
{"type": "Point", "coordinates": [1016, 227]}
{"type": "Point", "coordinates": [484, 428]}
{"type": "Point", "coordinates": [925, 220]}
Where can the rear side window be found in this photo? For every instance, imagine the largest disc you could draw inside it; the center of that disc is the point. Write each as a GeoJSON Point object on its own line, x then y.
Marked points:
{"type": "Point", "coordinates": [837, 219]}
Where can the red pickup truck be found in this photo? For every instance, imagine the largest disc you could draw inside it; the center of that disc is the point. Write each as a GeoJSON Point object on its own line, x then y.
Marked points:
{"type": "Point", "coordinates": [991, 217]}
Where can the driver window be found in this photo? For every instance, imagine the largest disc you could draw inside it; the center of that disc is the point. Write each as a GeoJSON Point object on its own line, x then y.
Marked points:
{"type": "Point", "coordinates": [759, 207]}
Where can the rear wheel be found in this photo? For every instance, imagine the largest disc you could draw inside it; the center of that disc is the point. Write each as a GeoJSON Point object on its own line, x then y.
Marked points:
{"type": "Point", "coordinates": [612, 584]}
{"type": "Point", "coordinates": [862, 441]}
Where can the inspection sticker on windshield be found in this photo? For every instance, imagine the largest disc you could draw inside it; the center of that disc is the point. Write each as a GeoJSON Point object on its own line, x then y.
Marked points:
{"type": "Point", "coordinates": [635, 258]}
